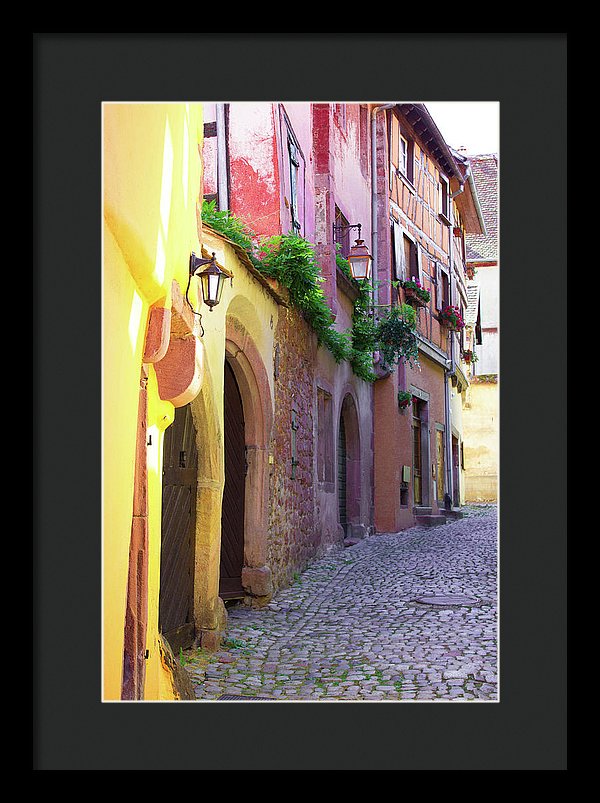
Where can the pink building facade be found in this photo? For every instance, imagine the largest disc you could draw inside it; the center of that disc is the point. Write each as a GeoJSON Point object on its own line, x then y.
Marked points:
{"type": "Point", "coordinates": [304, 168]}
{"type": "Point", "coordinates": [346, 460]}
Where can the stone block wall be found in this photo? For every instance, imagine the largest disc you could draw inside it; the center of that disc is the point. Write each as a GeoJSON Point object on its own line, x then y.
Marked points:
{"type": "Point", "coordinates": [293, 540]}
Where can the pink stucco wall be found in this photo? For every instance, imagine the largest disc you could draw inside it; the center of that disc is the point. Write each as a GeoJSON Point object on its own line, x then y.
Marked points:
{"type": "Point", "coordinates": [333, 146]}
{"type": "Point", "coordinates": [254, 171]}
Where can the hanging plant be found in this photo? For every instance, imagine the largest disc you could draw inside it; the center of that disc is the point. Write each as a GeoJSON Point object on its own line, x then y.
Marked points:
{"type": "Point", "coordinates": [469, 356]}
{"type": "Point", "coordinates": [415, 292]}
{"type": "Point", "coordinates": [451, 318]}
{"type": "Point", "coordinates": [404, 399]}
{"type": "Point", "coordinates": [396, 335]}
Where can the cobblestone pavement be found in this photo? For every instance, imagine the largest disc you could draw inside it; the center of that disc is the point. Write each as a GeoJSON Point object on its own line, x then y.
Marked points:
{"type": "Point", "coordinates": [351, 628]}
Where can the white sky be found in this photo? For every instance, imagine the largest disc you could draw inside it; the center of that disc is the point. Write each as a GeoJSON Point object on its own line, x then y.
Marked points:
{"type": "Point", "coordinates": [474, 124]}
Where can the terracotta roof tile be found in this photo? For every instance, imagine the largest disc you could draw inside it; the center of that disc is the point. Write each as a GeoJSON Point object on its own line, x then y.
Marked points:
{"type": "Point", "coordinates": [484, 169]}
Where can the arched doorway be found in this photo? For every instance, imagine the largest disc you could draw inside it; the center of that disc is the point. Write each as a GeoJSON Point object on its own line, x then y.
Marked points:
{"type": "Point", "coordinates": [348, 464]}
{"type": "Point", "coordinates": [233, 508]}
{"type": "Point", "coordinates": [342, 460]}
{"type": "Point", "coordinates": [177, 559]}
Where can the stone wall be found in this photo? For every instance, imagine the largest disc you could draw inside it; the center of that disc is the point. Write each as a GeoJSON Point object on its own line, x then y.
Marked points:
{"type": "Point", "coordinates": [293, 540]}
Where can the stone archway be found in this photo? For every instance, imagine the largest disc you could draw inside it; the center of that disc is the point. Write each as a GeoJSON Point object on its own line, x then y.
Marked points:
{"type": "Point", "coordinates": [253, 384]}
{"type": "Point", "coordinates": [349, 465]}
{"type": "Point", "coordinates": [210, 617]}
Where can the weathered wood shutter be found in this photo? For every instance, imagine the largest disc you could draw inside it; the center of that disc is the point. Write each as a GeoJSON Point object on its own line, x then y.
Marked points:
{"type": "Point", "coordinates": [439, 287]}
{"type": "Point", "coordinates": [397, 238]}
{"type": "Point", "coordinates": [419, 263]}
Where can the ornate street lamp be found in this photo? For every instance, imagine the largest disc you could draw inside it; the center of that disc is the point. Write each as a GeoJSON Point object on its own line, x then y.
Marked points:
{"type": "Point", "coordinates": [359, 257]}
{"type": "Point", "coordinates": [211, 278]}
{"type": "Point", "coordinates": [360, 261]}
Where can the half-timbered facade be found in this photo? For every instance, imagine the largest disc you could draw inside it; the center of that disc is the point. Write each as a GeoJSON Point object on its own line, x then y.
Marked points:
{"type": "Point", "coordinates": [421, 242]}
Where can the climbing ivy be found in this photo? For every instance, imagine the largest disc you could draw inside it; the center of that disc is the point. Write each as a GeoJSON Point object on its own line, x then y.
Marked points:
{"type": "Point", "coordinates": [229, 226]}
{"type": "Point", "coordinates": [291, 260]}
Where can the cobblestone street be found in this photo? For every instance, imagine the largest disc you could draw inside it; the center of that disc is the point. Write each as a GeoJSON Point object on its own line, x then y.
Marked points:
{"type": "Point", "coordinates": [410, 616]}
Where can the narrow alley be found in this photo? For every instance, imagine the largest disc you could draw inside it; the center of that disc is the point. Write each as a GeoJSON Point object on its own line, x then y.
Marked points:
{"type": "Point", "coordinates": [405, 616]}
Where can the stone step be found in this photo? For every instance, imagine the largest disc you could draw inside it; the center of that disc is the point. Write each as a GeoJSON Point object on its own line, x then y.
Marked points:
{"type": "Point", "coordinates": [431, 521]}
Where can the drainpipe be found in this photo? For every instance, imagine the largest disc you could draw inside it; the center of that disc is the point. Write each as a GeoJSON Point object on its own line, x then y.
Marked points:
{"type": "Point", "coordinates": [222, 189]}
{"type": "Point", "coordinates": [451, 370]}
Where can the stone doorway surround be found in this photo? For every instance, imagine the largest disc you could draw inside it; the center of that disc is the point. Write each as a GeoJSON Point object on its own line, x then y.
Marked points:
{"type": "Point", "coordinates": [253, 383]}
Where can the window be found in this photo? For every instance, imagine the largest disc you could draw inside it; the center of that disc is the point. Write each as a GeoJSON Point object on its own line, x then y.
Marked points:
{"type": "Point", "coordinates": [294, 171]}
{"type": "Point", "coordinates": [406, 255]}
{"type": "Point", "coordinates": [442, 289]}
{"type": "Point", "coordinates": [412, 262]}
{"type": "Point", "coordinates": [324, 437]}
{"type": "Point", "coordinates": [406, 157]}
{"type": "Point", "coordinates": [444, 198]}
{"type": "Point", "coordinates": [403, 155]}
{"type": "Point", "coordinates": [293, 174]}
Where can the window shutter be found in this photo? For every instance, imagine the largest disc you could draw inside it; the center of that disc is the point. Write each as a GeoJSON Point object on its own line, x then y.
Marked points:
{"type": "Point", "coordinates": [398, 251]}
{"type": "Point", "coordinates": [439, 287]}
{"type": "Point", "coordinates": [419, 264]}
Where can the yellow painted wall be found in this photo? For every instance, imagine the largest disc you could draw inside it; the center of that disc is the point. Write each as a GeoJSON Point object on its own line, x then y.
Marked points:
{"type": "Point", "coordinates": [248, 305]}
{"type": "Point", "coordinates": [152, 179]}
{"type": "Point", "coordinates": [481, 439]}
{"type": "Point", "coordinates": [456, 416]}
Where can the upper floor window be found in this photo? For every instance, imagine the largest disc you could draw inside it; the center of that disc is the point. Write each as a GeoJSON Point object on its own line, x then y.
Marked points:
{"type": "Point", "coordinates": [294, 159]}
{"type": "Point", "coordinates": [442, 291]}
{"type": "Point", "coordinates": [444, 198]}
{"type": "Point", "coordinates": [406, 157]}
{"type": "Point", "coordinates": [406, 255]}
{"type": "Point", "coordinates": [293, 177]}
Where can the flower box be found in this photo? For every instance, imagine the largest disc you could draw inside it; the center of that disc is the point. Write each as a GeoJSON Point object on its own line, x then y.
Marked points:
{"type": "Point", "coordinates": [404, 399]}
{"type": "Point", "coordinates": [415, 293]}
{"type": "Point", "coordinates": [412, 297]}
{"type": "Point", "coordinates": [451, 319]}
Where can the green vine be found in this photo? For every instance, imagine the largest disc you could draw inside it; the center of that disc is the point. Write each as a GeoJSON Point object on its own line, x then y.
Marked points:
{"type": "Point", "coordinates": [291, 260]}
{"type": "Point", "coordinates": [396, 335]}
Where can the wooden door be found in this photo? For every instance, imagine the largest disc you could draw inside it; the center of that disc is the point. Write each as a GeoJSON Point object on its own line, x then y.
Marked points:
{"type": "Point", "coordinates": [180, 467]}
{"type": "Point", "coordinates": [342, 474]}
{"type": "Point", "coordinates": [232, 516]}
{"type": "Point", "coordinates": [441, 465]}
{"type": "Point", "coordinates": [455, 471]}
{"type": "Point", "coordinates": [417, 460]}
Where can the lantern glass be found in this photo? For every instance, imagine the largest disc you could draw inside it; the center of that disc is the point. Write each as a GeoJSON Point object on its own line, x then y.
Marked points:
{"type": "Point", "coordinates": [212, 280]}
{"type": "Point", "coordinates": [360, 261]}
